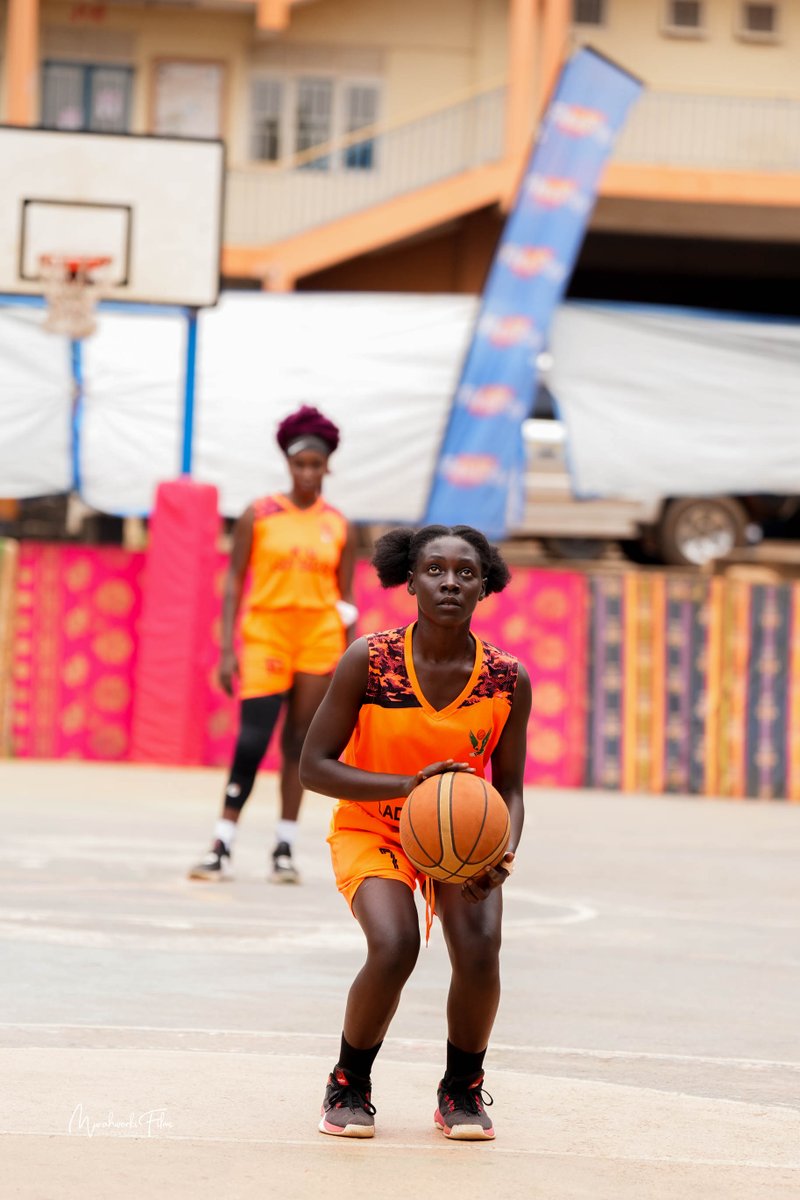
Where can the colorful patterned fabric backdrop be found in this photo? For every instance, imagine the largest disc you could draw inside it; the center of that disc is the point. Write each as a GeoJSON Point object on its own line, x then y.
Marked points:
{"type": "Point", "coordinates": [644, 680]}
{"type": "Point", "coordinates": [74, 651]}
{"type": "Point", "coordinates": [9, 554]}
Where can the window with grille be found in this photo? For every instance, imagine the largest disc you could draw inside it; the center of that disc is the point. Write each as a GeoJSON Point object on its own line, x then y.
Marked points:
{"type": "Point", "coordinates": [86, 96]}
{"type": "Point", "coordinates": [294, 114]}
{"type": "Point", "coordinates": [313, 119]}
{"type": "Point", "coordinates": [759, 21]}
{"type": "Point", "coordinates": [361, 111]}
{"type": "Point", "coordinates": [685, 14]}
{"type": "Point", "coordinates": [266, 134]}
{"type": "Point", "coordinates": [588, 12]}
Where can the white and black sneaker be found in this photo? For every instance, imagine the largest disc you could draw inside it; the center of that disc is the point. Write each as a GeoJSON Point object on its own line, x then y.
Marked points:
{"type": "Point", "coordinates": [215, 866]}
{"type": "Point", "coordinates": [283, 868]}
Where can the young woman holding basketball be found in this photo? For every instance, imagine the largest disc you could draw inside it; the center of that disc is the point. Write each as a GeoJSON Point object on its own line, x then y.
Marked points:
{"type": "Point", "coordinates": [299, 553]}
{"type": "Point", "coordinates": [402, 707]}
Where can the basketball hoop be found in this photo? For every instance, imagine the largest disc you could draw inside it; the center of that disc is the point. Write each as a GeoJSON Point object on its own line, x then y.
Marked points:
{"type": "Point", "coordinates": [73, 284]}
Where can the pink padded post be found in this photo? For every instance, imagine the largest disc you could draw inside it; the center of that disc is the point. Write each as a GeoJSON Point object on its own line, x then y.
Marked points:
{"type": "Point", "coordinates": [173, 662]}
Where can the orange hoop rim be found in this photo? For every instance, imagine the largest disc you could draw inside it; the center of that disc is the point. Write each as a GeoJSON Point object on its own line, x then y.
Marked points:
{"type": "Point", "coordinates": [75, 262]}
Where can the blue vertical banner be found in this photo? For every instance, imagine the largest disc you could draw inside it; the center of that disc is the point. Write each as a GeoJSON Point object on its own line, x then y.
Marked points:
{"type": "Point", "coordinates": [479, 475]}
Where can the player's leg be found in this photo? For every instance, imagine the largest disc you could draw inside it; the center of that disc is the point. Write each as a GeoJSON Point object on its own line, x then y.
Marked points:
{"type": "Point", "coordinates": [472, 934]}
{"type": "Point", "coordinates": [305, 697]}
{"type": "Point", "coordinates": [385, 910]}
{"type": "Point", "coordinates": [258, 716]}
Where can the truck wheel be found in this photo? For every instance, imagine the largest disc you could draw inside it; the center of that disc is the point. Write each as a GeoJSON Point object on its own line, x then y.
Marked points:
{"type": "Point", "coordinates": [697, 530]}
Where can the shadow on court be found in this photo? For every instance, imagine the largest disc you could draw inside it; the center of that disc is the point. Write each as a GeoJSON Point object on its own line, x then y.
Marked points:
{"type": "Point", "coordinates": [163, 1038]}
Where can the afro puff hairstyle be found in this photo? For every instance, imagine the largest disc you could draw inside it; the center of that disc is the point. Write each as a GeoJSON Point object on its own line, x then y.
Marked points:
{"type": "Point", "coordinates": [396, 554]}
{"type": "Point", "coordinates": [307, 422]}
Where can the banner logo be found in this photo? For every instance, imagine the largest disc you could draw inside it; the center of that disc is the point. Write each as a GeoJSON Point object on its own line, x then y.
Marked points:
{"type": "Point", "coordinates": [529, 261]}
{"type": "Point", "coordinates": [577, 121]}
{"type": "Point", "coordinates": [471, 470]}
{"type": "Point", "coordinates": [513, 330]}
{"type": "Point", "coordinates": [549, 191]}
{"type": "Point", "coordinates": [491, 400]}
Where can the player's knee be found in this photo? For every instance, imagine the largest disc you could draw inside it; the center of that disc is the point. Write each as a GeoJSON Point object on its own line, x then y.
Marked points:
{"type": "Point", "coordinates": [479, 954]}
{"type": "Point", "coordinates": [395, 954]}
{"type": "Point", "coordinates": [249, 748]}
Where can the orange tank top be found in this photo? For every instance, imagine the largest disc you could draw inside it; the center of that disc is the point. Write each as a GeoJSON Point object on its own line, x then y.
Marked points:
{"type": "Point", "coordinates": [295, 555]}
{"type": "Point", "coordinates": [398, 732]}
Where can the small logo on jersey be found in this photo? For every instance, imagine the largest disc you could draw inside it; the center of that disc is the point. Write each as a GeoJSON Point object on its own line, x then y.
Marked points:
{"type": "Point", "coordinates": [395, 863]}
{"type": "Point", "coordinates": [480, 741]}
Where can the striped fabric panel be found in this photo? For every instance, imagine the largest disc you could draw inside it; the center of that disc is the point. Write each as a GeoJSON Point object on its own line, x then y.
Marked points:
{"type": "Point", "coordinates": [700, 604]}
{"type": "Point", "coordinates": [793, 721]}
{"type": "Point", "coordinates": [735, 649]}
{"type": "Point", "coordinates": [638, 703]}
{"type": "Point", "coordinates": [768, 698]}
{"type": "Point", "coordinates": [606, 674]}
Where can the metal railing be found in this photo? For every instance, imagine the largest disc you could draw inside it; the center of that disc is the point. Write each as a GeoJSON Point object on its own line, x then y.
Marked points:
{"type": "Point", "coordinates": [268, 202]}
{"type": "Point", "coordinates": [748, 133]}
{"type": "Point", "coordinates": [265, 203]}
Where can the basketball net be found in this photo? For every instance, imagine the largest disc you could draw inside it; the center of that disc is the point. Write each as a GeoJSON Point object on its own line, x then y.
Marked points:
{"type": "Point", "coordinates": [73, 284]}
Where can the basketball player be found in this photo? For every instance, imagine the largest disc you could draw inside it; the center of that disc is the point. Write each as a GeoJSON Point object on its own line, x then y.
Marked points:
{"type": "Point", "coordinates": [299, 612]}
{"type": "Point", "coordinates": [403, 706]}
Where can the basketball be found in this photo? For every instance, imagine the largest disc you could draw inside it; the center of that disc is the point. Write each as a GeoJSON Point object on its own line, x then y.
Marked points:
{"type": "Point", "coordinates": [453, 826]}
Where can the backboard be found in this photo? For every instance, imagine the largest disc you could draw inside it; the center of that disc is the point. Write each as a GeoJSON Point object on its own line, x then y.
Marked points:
{"type": "Point", "coordinates": [152, 205]}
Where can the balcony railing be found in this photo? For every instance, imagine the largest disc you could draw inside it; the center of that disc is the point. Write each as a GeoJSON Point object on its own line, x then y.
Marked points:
{"type": "Point", "coordinates": [266, 203]}
{"type": "Point", "coordinates": [712, 132]}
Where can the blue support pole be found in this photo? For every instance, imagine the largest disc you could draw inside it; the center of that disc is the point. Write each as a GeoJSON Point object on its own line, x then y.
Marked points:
{"type": "Point", "coordinates": [76, 368]}
{"type": "Point", "coordinates": [189, 391]}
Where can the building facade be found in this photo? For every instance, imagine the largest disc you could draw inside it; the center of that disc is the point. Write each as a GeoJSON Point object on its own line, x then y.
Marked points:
{"type": "Point", "coordinates": [376, 144]}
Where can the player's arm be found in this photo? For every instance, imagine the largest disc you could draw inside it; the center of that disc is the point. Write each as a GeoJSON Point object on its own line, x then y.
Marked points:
{"type": "Point", "coordinates": [232, 595]}
{"type": "Point", "coordinates": [344, 578]}
{"type": "Point", "coordinates": [330, 731]}
{"type": "Point", "coordinates": [508, 772]}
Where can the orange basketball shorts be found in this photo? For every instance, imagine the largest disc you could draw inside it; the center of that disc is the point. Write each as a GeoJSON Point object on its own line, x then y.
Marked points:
{"type": "Point", "coordinates": [279, 644]}
{"type": "Point", "coordinates": [365, 847]}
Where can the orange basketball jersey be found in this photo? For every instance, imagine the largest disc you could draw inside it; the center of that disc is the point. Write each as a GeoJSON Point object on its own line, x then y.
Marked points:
{"type": "Point", "coordinates": [294, 560]}
{"type": "Point", "coordinates": [398, 732]}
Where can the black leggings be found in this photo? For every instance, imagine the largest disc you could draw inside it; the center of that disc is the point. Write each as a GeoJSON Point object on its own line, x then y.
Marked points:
{"type": "Point", "coordinates": [257, 720]}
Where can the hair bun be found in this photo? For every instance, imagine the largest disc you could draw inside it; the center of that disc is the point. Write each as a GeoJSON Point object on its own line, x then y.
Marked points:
{"type": "Point", "coordinates": [307, 421]}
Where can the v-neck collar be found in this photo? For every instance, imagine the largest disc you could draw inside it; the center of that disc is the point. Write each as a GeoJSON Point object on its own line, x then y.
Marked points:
{"type": "Point", "coordinates": [439, 713]}
{"type": "Point", "coordinates": [291, 507]}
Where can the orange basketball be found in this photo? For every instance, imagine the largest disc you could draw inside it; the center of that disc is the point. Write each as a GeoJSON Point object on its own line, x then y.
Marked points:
{"type": "Point", "coordinates": [454, 826]}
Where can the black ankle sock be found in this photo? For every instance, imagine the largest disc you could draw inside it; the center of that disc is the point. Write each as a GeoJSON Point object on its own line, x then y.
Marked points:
{"type": "Point", "coordinates": [357, 1063]}
{"type": "Point", "coordinates": [463, 1065]}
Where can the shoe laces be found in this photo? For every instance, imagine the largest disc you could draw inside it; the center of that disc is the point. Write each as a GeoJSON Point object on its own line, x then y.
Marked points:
{"type": "Point", "coordinates": [469, 1098]}
{"type": "Point", "coordinates": [346, 1094]}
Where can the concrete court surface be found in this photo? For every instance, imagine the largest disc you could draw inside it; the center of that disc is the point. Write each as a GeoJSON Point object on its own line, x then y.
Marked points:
{"type": "Point", "coordinates": [162, 1038]}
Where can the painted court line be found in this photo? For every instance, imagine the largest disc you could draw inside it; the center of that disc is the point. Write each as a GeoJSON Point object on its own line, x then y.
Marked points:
{"type": "Point", "coordinates": [440, 1148]}
{"type": "Point", "coordinates": [284, 1035]}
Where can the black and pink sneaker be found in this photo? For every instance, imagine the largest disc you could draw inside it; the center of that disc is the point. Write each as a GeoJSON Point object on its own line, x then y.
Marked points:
{"type": "Point", "coordinates": [346, 1108]}
{"type": "Point", "coordinates": [461, 1113]}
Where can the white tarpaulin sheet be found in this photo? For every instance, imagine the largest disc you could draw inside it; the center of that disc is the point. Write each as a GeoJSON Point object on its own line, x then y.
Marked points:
{"type": "Point", "coordinates": [383, 367]}
{"type": "Point", "coordinates": [660, 403]}
{"type": "Point", "coordinates": [656, 403]}
{"type": "Point", "coordinates": [35, 407]}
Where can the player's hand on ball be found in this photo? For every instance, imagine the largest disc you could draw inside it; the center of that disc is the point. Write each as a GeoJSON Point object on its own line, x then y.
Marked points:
{"type": "Point", "coordinates": [477, 889]}
{"type": "Point", "coordinates": [437, 768]}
